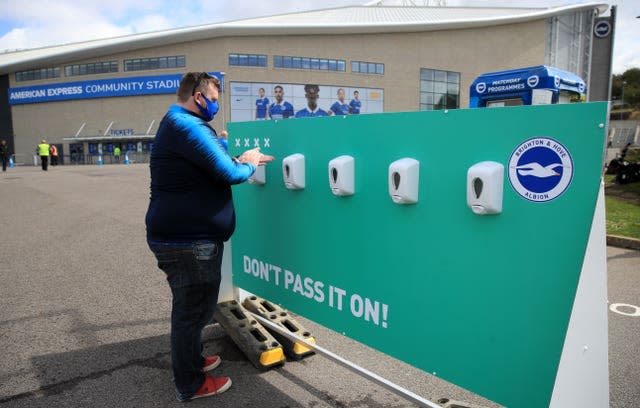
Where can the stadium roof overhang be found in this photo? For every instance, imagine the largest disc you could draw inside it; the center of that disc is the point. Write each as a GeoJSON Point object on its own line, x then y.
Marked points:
{"type": "Point", "coordinates": [346, 20]}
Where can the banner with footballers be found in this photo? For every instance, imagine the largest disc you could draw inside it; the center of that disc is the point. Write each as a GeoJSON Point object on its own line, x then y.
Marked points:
{"type": "Point", "coordinates": [264, 101]}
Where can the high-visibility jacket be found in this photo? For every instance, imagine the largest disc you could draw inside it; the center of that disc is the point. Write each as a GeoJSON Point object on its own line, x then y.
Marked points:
{"type": "Point", "coordinates": [43, 149]}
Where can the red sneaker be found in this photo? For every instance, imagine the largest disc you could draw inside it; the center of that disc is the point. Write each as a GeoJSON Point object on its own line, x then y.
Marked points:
{"type": "Point", "coordinates": [210, 363]}
{"type": "Point", "coordinates": [212, 386]}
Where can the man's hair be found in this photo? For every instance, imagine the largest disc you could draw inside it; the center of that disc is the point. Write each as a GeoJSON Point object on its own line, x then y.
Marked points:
{"type": "Point", "coordinates": [193, 82]}
{"type": "Point", "coordinates": [277, 86]}
{"type": "Point", "coordinates": [340, 89]}
{"type": "Point", "coordinates": [308, 87]}
{"type": "Point", "coordinates": [356, 92]}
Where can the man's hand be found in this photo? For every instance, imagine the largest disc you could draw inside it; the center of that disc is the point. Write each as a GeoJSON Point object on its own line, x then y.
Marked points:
{"type": "Point", "coordinates": [254, 157]}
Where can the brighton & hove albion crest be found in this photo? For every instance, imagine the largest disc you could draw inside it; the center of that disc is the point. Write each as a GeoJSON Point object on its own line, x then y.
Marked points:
{"type": "Point", "coordinates": [540, 169]}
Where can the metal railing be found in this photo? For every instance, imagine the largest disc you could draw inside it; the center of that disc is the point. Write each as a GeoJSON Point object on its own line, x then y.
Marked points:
{"type": "Point", "coordinates": [85, 159]}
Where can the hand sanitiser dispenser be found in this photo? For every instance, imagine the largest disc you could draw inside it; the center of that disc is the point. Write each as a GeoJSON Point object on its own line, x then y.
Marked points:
{"type": "Point", "coordinates": [259, 176]}
{"type": "Point", "coordinates": [341, 176]}
{"type": "Point", "coordinates": [485, 182]}
{"type": "Point", "coordinates": [403, 180]}
{"type": "Point", "coordinates": [293, 171]}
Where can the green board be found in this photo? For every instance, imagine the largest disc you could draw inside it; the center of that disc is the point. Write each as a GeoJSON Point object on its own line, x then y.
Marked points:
{"type": "Point", "coordinates": [482, 301]}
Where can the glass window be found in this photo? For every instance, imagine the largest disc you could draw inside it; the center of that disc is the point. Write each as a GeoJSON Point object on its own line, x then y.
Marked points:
{"type": "Point", "coordinates": [426, 86]}
{"type": "Point", "coordinates": [426, 74]}
{"type": "Point", "coordinates": [367, 67]}
{"type": "Point", "coordinates": [453, 77]}
{"type": "Point", "coordinates": [251, 60]}
{"type": "Point", "coordinates": [440, 76]}
{"type": "Point", "coordinates": [139, 64]}
{"type": "Point", "coordinates": [324, 64]}
{"type": "Point", "coordinates": [452, 101]}
{"type": "Point", "coordinates": [439, 89]}
{"type": "Point", "coordinates": [440, 100]}
{"type": "Point", "coordinates": [44, 73]}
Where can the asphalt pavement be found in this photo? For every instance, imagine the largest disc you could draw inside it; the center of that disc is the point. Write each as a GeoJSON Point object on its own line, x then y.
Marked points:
{"type": "Point", "coordinates": [84, 312]}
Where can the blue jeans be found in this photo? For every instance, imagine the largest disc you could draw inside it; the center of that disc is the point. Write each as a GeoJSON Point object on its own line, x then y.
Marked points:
{"type": "Point", "coordinates": [193, 273]}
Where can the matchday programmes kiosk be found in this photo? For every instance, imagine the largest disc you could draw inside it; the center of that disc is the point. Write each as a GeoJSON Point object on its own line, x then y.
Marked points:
{"type": "Point", "coordinates": [539, 85]}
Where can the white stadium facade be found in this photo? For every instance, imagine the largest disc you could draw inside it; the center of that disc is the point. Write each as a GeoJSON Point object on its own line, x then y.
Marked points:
{"type": "Point", "coordinates": [89, 97]}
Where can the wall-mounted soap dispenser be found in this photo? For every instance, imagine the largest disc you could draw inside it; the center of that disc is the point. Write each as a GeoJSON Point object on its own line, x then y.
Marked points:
{"type": "Point", "coordinates": [403, 180]}
{"type": "Point", "coordinates": [259, 176]}
{"type": "Point", "coordinates": [485, 182]}
{"type": "Point", "coordinates": [341, 176]}
{"type": "Point", "coordinates": [293, 171]}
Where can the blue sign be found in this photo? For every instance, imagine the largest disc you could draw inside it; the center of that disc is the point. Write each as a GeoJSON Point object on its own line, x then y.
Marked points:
{"type": "Point", "coordinates": [519, 83]}
{"type": "Point", "coordinates": [602, 28]}
{"type": "Point", "coordinates": [103, 88]}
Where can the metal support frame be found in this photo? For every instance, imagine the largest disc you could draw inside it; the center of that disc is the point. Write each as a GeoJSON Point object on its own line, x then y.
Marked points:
{"type": "Point", "coordinates": [396, 389]}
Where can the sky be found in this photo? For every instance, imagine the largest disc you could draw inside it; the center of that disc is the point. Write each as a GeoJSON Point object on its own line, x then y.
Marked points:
{"type": "Point", "coordinates": [39, 23]}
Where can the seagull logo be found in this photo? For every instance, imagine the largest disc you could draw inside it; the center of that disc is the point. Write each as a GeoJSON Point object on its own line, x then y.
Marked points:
{"type": "Point", "coordinates": [540, 169]}
{"type": "Point", "coordinates": [537, 170]}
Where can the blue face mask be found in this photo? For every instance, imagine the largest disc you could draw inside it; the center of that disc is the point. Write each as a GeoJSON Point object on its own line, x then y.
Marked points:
{"type": "Point", "coordinates": [210, 111]}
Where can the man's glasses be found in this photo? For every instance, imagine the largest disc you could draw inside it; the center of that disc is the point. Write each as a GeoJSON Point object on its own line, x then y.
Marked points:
{"type": "Point", "coordinates": [201, 76]}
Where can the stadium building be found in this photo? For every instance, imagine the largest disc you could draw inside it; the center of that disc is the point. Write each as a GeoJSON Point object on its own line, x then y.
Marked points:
{"type": "Point", "coordinates": [89, 97]}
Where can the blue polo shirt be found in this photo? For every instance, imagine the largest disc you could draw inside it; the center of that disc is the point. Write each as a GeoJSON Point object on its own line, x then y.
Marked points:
{"type": "Point", "coordinates": [306, 113]}
{"type": "Point", "coordinates": [339, 108]}
{"type": "Point", "coordinates": [191, 178]}
{"type": "Point", "coordinates": [354, 106]}
{"type": "Point", "coordinates": [281, 111]}
{"type": "Point", "coordinates": [261, 107]}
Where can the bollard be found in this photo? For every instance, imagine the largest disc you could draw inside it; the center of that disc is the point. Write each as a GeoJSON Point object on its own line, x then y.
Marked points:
{"type": "Point", "coordinates": [262, 350]}
{"type": "Point", "coordinates": [279, 316]}
{"type": "Point", "coordinates": [100, 162]}
{"type": "Point", "coordinates": [11, 163]}
{"type": "Point", "coordinates": [126, 158]}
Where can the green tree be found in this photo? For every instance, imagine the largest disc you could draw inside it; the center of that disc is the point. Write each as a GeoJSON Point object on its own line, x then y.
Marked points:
{"type": "Point", "coordinates": [630, 80]}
